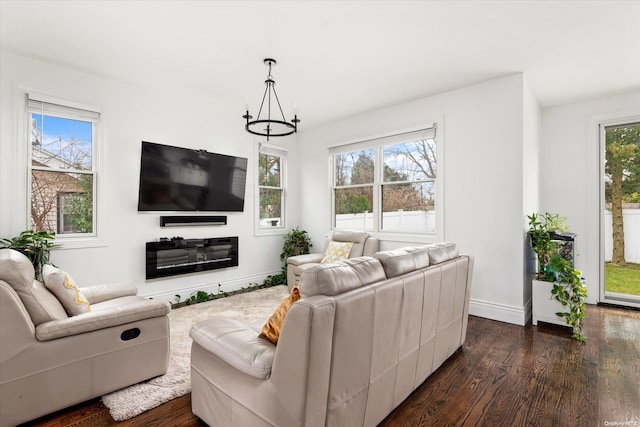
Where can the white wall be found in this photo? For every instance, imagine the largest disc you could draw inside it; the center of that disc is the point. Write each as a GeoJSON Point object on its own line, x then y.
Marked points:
{"type": "Point", "coordinates": [531, 129]}
{"type": "Point", "coordinates": [570, 172]}
{"type": "Point", "coordinates": [130, 115]}
{"type": "Point", "coordinates": [489, 136]}
{"type": "Point", "coordinates": [482, 139]}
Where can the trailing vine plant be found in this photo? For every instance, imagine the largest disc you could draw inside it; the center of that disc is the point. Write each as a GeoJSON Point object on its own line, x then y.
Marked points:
{"type": "Point", "coordinates": [553, 266]}
{"type": "Point", "coordinates": [569, 291]}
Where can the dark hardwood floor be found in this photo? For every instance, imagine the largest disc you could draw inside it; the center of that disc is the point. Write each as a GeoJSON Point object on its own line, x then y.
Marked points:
{"type": "Point", "coordinates": [504, 375]}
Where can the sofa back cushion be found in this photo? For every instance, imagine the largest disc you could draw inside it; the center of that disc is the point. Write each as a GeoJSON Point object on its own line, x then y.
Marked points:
{"type": "Point", "coordinates": [336, 278]}
{"type": "Point", "coordinates": [404, 260]}
{"type": "Point", "coordinates": [18, 272]}
{"type": "Point", "coordinates": [441, 252]}
{"type": "Point", "coordinates": [400, 261]}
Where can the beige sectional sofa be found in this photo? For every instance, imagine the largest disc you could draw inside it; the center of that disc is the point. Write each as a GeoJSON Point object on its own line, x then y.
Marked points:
{"type": "Point", "coordinates": [366, 333]}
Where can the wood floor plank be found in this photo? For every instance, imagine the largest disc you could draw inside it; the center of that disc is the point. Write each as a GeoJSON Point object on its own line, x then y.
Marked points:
{"type": "Point", "coordinates": [504, 375]}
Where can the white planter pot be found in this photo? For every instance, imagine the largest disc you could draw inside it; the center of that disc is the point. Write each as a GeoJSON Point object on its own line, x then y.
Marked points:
{"type": "Point", "coordinates": [544, 306]}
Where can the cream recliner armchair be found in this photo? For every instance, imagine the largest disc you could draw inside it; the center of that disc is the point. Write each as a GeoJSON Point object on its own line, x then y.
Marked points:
{"type": "Point", "coordinates": [363, 245]}
{"type": "Point", "coordinates": [49, 361]}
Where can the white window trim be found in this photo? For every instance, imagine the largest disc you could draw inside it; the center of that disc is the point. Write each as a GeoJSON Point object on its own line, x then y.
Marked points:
{"type": "Point", "coordinates": [23, 153]}
{"type": "Point", "coordinates": [370, 142]}
{"type": "Point", "coordinates": [282, 152]}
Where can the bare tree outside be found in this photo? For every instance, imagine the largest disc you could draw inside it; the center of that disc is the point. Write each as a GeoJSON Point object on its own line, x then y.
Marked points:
{"type": "Point", "coordinates": [406, 183]}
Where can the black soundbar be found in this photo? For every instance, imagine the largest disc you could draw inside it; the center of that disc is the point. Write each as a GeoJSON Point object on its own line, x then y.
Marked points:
{"type": "Point", "coordinates": [183, 220]}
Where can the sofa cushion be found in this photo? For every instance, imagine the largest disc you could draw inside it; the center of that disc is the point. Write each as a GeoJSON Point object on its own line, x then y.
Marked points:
{"type": "Point", "coordinates": [65, 289]}
{"type": "Point", "coordinates": [271, 330]}
{"type": "Point", "coordinates": [400, 261]}
{"type": "Point", "coordinates": [18, 272]}
{"type": "Point", "coordinates": [335, 278]}
{"type": "Point", "coordinates": [441, 252]}
{"type": "Point", "coordinates": [337, 251]}
{"type": "Point", "coordinates": [235, 343]}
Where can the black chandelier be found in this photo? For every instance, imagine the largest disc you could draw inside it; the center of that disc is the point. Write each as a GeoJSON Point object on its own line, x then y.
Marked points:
{"type": "Point", "coordinates": [273, 127]}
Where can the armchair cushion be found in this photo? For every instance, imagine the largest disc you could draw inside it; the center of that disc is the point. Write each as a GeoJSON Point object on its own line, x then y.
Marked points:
{"type": "Point", "coordinates": [119, 311]}
{"type": "Point", "coordinates": [337, 251]}
{"type": "Point", "coordinates": [18, 272]}
{"type": "Point", "coordinates": [304, 259]}
{"type": "Point", "coordinates": [100, 293]}
{"type": "Point", "coordinates": [65, 289]}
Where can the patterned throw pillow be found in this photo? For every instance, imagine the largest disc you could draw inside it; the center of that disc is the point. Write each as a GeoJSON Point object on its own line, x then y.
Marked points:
{"type": "Point", "coordinates": [271, 329]}
{"type": "Point", "coordinates": [337, 251]}
{"type": "Point", "coordinates": [65, 289]}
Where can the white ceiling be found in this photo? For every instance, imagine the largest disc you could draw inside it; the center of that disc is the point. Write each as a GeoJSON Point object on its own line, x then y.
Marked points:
{"type": "Point", "coordinates": [336, 59]}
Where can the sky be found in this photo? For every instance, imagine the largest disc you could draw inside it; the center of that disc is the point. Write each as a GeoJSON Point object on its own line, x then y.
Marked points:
{"type": "Point", "coordinates": [68, 139]}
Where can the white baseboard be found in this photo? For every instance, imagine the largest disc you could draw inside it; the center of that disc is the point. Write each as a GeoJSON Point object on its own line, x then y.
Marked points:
{"type": "Point", "coordinates": [210, 288]}
{"type": "Point", "coordinates": [500, 312]}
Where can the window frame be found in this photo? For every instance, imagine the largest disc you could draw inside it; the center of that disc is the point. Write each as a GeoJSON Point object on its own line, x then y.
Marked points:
{"type": "Point", "coordinates": [27, 98]}
{"type": "Point", "coordinates": [264, 148]}
{"type": "Point", "coordinates": [377, 143]}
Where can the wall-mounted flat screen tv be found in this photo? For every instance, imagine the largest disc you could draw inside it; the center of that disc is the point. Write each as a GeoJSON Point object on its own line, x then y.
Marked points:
{"type": "Point", "coordinates": [182, 179]}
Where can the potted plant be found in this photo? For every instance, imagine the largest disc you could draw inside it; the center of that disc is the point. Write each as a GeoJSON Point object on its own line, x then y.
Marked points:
{"type": "Point", "coordinates": [296, 242]}
{"type": "Point", "coordinates": [558, 294]}
{"type": "Point", "coordinates": [35, 245]}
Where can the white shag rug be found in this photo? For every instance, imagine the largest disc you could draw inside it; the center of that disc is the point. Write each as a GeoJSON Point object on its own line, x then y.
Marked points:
{"type": "Point", "coordinates": [138, 398]}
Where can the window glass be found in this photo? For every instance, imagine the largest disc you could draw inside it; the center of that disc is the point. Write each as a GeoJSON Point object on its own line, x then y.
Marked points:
{"type": "Point", "coordinates": [61, 143]}
{"type": "Point", "coordinates": [410, 161]}
{"type": "Point", "coordinates": [388, 186]}
{"type": "Point", "coordinates": [271, 165]}
{"type": "Point", "coordinates": [409, 207]}
{"type": "Point", "coordinates": [62, 169]}
{"type": "Point", "coordinates": [409, 203]}
{"type": "Point", "coordinates": [356, 167]}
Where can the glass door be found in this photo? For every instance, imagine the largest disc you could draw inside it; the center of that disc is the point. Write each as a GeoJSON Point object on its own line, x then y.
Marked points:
{"type": "Point", "coordinates": [620, 145]}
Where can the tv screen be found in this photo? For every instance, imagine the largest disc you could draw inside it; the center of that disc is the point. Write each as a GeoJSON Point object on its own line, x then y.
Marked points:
{"type": "Point", "coordinates": [182, 179]}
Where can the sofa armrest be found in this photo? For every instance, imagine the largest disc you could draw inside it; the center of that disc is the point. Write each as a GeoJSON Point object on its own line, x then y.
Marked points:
{"type": "Point", "coordinates": [304, 259]}
{"type": "Point", "coordinates": [101, 319]}
{"type": "Point", "coordinates": [99, 293]}
{"type": "Point", "coordinates": [236, 344]}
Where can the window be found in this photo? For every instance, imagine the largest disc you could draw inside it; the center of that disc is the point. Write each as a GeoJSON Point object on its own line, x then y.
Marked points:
{"type": "Point", "coordinates": [62, 168]}
{"type": "Point", "coordinates": [386, 184]}
{"type": "Point", "coordinates": [271, 187]}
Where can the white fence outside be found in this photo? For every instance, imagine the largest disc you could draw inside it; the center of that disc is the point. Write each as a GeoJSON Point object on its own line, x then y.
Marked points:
{"type": "Point", "coordinates": [405, 221]}
{"type": "Point", "coordinates": [631, 220]}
